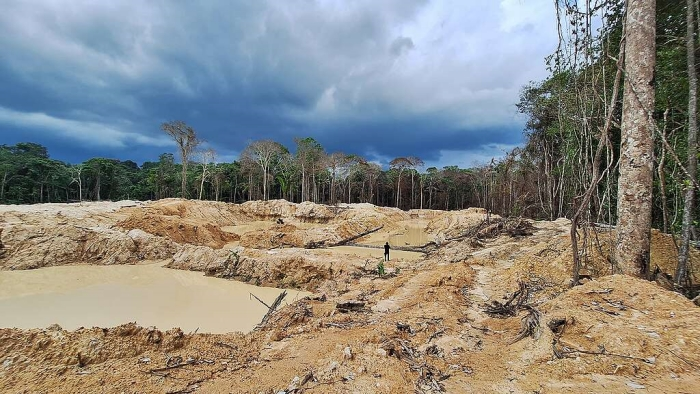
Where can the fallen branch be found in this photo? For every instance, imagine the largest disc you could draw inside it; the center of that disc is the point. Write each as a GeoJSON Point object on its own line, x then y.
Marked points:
{"type": "Point", "coordinates": [261, 301]}
{"type": "Point", "coordinates": [180, 364]}
{"type": "Point", "coordinates": [338, 325]}
{"type": "Point", "coordinates": [348, 306]}
{"type": "Point", "coordinates": [226, 345]}
{"type": "Point", "coordinates": [603, 291]}
{"type": "Point", "coordinates": [529, 324]}
{"type": "Point", "coordinates": [514, 227]}
{"type": "Point", "coordinates": [272, 308]}
{"type": "Point", "coordinates": [565, 351]}
{"type": "Point", "coordinates": [297, 384]}
{"type": "Point", "coordinates": [597, 307]}
{"type": "Point", "coordinates": [417, 249]}
{"type": "Point", "coordinates": [354, 237]}
{"type": "Point", "coordinates": [436, 334]}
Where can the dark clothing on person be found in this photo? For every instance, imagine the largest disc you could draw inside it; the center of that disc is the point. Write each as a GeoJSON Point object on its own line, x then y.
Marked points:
{"type": "Point", "coordinates": [386, 251]}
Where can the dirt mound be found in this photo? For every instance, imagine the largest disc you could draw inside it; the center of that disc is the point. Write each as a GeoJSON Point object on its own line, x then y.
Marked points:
{"type": "Point", "coordinates": [88, 213]}
{"type": "Point", "coordinates": [279, 236]}
{"type": "Point", "coordinates": [624, 325]}
{"type": "Point", "coordinates": [86, 346]}
{"type": "Point", "coordinates": [664, 254]}
{"type": "Point", "coordinates": [261, 210]}
{"type": "Point", "coordinates": [351, 222]}
{"type": "Point", "coordinates": [34, 246]}
{"type": "Point", "coordinates": [218, 213]}
{"type": "Point", "coordinates": [285, 268]}
{"type": "Point", "coordinates": [199, 223]}
{"type": "Point", "coordinates": [183, 231]}
{"type": "Point", "coordinates": [313, 213]}
{"type": "Point", "coordinates": [97, 359]}
{"type": "Point", "coordinates": [455, 223]}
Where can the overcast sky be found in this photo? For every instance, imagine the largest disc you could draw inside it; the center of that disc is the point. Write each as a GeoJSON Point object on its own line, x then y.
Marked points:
{"type": "Point", "coordinates": [381, 78]}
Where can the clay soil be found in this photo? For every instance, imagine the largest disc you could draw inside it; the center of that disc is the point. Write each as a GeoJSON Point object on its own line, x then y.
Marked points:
{"type": "Point", "coordinates": [421, 327]}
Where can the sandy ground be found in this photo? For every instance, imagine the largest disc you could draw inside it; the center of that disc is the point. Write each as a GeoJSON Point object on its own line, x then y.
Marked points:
{"type": "Point", "coordinates": [420, 328]}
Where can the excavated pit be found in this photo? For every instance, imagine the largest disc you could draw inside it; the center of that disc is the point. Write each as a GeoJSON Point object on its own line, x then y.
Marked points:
{"type": "Point", "coordinates": [421, 327]}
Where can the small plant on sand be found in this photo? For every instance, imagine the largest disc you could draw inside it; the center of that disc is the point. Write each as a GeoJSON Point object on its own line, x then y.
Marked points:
{"type": "Point", "coordinates": [380, 269]}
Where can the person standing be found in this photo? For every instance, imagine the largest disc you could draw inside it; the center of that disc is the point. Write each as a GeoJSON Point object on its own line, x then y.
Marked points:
{"type": "Point", "coordinates": [386, 251]}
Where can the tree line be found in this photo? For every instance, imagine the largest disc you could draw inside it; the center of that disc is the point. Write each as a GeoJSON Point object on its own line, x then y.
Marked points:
{"type": "Point", "coordinates": [265, 170]}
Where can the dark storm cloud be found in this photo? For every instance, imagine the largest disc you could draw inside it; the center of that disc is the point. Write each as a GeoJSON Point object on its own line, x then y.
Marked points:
{"type": "Point", "coordinates": [383, 79]}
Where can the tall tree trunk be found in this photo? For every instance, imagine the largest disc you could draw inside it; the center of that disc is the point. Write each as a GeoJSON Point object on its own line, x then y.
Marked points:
{"type": "Point", "coordinates": [2, 187]}
{"type": "Point", "coordinates": [183, 185]}
{"type": "Point", "coordinates": [303, 182]}
{"type": "Point", "coordinates": [264, 183]}
{"type": "Point", "coordinates": [689, 200]}
{"type": "Point", "coordinates": [398, 191]}
{"type": "Point", "coordinates": [313, 180]}
{"type": "Point", "coordinates": [430, 197]}
{"type": "Point", "coordinates": [98, 186]}
{"type": "Point", "coordinates": [412, 194]}
{"type": "Point", "coordinates": [421, 193]}
{"type": "Point", "coordinates": [662, 176]}
{"type": "Point", "coordinates": [636, 153]}
{"type": "Point", "coordinates": [250, 186]}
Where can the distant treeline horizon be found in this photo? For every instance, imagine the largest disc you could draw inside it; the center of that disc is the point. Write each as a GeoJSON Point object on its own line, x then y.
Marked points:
{"type": "Point", "coordinates": [264, 170]}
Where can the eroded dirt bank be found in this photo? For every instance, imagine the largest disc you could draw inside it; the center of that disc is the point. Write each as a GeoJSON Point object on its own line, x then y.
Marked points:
{"type": "Point", "coordinates": [420, 328]}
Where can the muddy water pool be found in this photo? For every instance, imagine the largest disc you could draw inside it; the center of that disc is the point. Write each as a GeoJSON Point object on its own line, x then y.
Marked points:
{"type": "Point", "coordinates": [377, 253]}
{"type": "Point", "coordinates": [405, 233]}
{"type": "Point", "coordinates": [149, 294]}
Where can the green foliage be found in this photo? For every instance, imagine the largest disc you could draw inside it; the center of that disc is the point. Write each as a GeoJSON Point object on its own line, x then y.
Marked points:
{"type": "Point", "coordinates": [380, 269]}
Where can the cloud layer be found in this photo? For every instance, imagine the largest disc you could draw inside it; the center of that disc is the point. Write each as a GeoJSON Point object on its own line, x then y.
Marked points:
{"type": "Point", "coordinates": [389, 78]}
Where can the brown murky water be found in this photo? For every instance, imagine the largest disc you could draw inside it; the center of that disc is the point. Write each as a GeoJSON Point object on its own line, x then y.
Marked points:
{"type": "Point", "coordinates": [150, 295]}
{"type": "Point", "coordinates": [410, 233]}
{"type": "Point", "coordinates": [377, 253]}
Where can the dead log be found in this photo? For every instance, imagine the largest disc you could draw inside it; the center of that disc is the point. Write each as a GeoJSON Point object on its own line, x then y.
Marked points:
{"type": "Point", "coordinates": [270, 308]}
{"type": "Point", "coordinates": [350, 306]}
{"type": "Point", "coordinates": [315, 245]}
{"type": "Point", "coordinates": [354, 237]}
{"type": "Point", "coordinates": [418, 249]}
{"type": "Point", "coordinates": [566, 351]}
{"type": "Point", "coordinates": [176, 362]}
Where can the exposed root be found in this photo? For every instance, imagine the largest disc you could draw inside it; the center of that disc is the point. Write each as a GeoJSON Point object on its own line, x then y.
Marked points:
{"type": "Point", "coordinates": [529, 325]}
{"type": "Point", "coordinates": [515, 302]}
